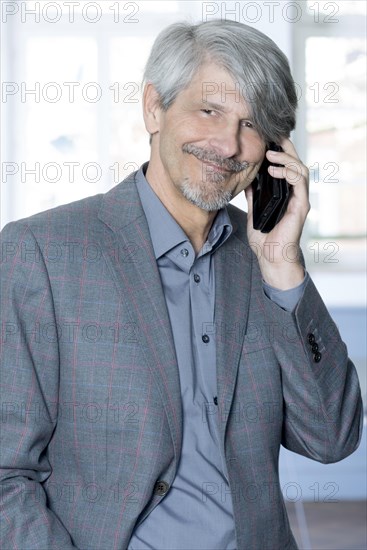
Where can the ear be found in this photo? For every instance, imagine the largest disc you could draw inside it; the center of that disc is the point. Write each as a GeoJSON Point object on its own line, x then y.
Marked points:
{"type": "Point", "coordinates": [151, 109]}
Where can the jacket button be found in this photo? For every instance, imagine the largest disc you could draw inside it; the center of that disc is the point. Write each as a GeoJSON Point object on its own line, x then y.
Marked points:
{"type": "Point", "coordinates": [317, 357]}
{"type": "Point", "coordinates": [315, 348]}
{"type": "Point", "coordinates": [311, 338]}
{"type": "Point", "coordinates": [161, 488]}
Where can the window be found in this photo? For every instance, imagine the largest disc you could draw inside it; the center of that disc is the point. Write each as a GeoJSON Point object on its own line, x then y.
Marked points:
{"type": "Point", "coordinates": [329, 59]}
{"type": "Point", "coordinates": [71, 107]}
{"type": "Point", "coordinates": [336, 130]}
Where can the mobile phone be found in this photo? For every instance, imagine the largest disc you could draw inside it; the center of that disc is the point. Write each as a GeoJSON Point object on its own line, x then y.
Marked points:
{"type": "Point", "coordinates": [270, 196]}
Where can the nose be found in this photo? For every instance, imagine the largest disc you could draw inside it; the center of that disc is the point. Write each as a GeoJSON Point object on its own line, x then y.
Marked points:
{"type": "Point", "coordinates": [226, 142]}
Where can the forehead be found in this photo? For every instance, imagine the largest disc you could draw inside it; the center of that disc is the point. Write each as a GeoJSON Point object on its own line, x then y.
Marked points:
{"type": "Point", "coordinates": [211, 71]}
{"type": "Point", "coordinates": [214, 85]}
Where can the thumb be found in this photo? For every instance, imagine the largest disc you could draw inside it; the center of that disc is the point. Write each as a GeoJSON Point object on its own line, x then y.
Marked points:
{"type": "Point", "coordinates": [249, 197]}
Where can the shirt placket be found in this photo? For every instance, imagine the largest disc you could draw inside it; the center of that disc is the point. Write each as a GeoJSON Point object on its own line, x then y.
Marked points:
{"type": "Point", "coordinates": [203, 337]}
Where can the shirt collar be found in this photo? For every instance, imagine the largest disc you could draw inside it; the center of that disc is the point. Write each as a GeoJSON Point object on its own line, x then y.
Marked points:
{"type": "Point", "coordinates": [165, 232]}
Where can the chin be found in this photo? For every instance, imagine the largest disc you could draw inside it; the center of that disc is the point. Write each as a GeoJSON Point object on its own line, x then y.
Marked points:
{"type": "Point", "coordinates": [210, 202]}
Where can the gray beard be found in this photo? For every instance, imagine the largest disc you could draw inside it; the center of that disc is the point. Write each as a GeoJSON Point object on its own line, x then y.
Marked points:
{"type": "Point", "coordinates": [215, 197]}
{"type": "Point", "coordinates": [212, 200]}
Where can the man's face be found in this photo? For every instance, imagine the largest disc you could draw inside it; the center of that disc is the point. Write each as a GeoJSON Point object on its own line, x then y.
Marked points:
{"type": "Point", "coordinates": [206, 145]}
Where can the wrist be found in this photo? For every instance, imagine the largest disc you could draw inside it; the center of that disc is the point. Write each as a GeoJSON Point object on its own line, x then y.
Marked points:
{"type": "Point", "coordinates": [284, 275]}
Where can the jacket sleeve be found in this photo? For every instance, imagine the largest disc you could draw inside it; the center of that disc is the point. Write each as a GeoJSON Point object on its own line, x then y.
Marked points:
{"type": "Point", "coordinates": [323, 413]}
{"type": "Point", "coordinates": [29, 385]}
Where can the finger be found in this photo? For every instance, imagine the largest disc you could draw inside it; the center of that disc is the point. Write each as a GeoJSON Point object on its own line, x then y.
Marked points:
{"type": "Point", "coordinates": [287, 155]}
{"type": "Point", "coordinates": [298, 182]}
{"type": "Point", "coordinates": [289, 148]}
{"type": "Point", "coordinates": [293, 172]}
{"type": "Point", "coordinates": [277, 157]}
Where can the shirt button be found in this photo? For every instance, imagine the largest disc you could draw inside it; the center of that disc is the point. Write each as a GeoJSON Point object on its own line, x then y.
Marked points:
{"type": "Point", "coordinates": [317, 357]}
{"type": "Point", "coordinates": [311, 338]}
{"type": "Point", "coordinates": [315, 348]}
{"type": "Point", "coordinates": [161, 488]}
{"type": "Point", "coordinates": [205, 338]}
{"type": "Point", "coordinates": [184, 252]}
{"type": "Point", "coordinates": [197, 278]}
{"type": "Point", "coordinates": [215, 400]}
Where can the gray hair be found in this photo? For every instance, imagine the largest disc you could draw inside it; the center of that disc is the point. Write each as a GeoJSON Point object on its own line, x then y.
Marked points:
{"type": "Point", "coordinates": [254, 61]}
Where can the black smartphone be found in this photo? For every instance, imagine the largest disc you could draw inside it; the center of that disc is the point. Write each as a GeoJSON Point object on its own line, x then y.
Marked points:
{"type": "Point", "coordinates": [270, 196]}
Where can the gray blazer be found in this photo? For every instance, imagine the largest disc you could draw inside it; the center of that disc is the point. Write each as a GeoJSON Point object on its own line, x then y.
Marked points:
{"type": "Point", "coordinates": [91, 407]}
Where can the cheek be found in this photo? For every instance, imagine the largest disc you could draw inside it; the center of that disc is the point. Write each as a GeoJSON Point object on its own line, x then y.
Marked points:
{"type": "Point", "coordinates": [169, 145]}
{"type": "Point", "coordinates": [253, 148]}
{"type": "Point", "coordinates": [172, 142]}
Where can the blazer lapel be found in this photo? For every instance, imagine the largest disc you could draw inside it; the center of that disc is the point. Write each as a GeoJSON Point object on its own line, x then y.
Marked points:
{"type": "Point", "coordinates": [129, 252]}
{"type": "Point", "coordinates": [233, 269]}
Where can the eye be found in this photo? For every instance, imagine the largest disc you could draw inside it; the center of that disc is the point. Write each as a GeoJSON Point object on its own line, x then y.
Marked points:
{"type": "Point", "coordinates": [207, 111]}
{"type": "Point", "coordinates": [247, 124]}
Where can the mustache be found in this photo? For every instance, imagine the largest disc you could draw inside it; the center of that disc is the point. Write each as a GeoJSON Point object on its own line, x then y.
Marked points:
{"type": "Point", "coordinates": [210, 156]}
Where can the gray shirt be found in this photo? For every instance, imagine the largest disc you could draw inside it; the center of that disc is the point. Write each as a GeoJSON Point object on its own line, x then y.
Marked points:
{"type": "Point", "coordinates": [196, 513]}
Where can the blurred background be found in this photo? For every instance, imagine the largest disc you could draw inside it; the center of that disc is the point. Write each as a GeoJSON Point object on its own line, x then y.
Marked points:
{"type": "Point", "coordinates": [72, 127]}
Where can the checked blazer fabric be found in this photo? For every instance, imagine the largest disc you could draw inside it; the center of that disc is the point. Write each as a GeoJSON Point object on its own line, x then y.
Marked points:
{"type": "Point", "coordinates": [91, 407]}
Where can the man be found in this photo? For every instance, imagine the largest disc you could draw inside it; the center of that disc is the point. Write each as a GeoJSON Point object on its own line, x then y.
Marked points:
{"type": "Point", "coordinates": [157, 350]}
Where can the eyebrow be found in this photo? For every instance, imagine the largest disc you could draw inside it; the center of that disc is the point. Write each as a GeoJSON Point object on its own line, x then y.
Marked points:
{"type": "Point", "coordinates": [221, 107]}
{"type": "Point", "coordinates": [213, 105]}
{"type": "Point", "coordinates": [216, 106]}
